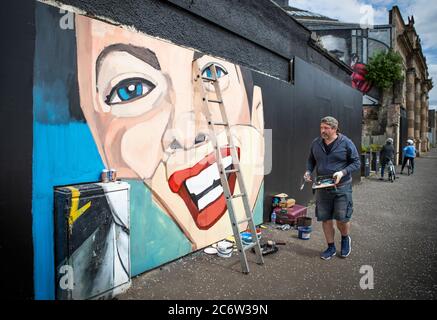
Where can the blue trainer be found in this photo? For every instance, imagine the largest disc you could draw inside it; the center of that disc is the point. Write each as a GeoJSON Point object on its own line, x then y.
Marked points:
{"type": "Point", "coordinates": [345, 246]}
{"type": "Point", "coordinates": [329, 253]}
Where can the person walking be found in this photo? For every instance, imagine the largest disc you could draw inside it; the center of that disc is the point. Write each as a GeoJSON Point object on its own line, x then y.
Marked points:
{"type": "Point", "coordinates": [386, 154]}
{"type": "Point", "coordinates": [409, 154]}
{"type": "Point", "coordinates": [335, 155]}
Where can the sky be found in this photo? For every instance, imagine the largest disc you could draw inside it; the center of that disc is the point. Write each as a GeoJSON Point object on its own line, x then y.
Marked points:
{"type": "Point", "coordinates": [424, 12]}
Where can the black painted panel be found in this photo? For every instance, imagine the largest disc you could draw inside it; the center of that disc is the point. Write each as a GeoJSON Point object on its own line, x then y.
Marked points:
{"type": "Point", "coordinates": [16, 73]}
{"type": "Point", "coordinates": [293, 112]}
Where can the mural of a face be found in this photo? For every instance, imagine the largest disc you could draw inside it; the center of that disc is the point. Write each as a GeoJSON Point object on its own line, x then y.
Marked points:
{"type": "Point", "coordinates": [140, 101]}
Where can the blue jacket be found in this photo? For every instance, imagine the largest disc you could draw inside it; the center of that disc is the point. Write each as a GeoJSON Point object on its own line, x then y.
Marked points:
{"type": "Point", "coordinates": [343, 157]}
{"type": "Point", "coordinates": [410, 151]}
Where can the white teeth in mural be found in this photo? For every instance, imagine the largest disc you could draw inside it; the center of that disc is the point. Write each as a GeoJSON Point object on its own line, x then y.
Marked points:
{"type": "Point", "coordinates": [210, 197]}
{"type": "Point", "coordinates": [206, 178]}
{"type": "Point", "coordinates": [203, 180]}
{"type": "Point", "coordinates": [205, 187]}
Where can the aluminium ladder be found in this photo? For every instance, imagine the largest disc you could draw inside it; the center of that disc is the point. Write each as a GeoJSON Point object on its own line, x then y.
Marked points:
{"type": "Point", "coordinates": [199, 85]}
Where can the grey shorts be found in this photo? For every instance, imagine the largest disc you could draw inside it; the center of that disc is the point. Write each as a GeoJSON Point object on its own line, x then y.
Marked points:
{"type": "Point", "coordinates": [334, 203]}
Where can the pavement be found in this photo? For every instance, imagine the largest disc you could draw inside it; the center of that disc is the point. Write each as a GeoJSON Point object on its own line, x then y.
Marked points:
{"type": "Point", "coordinates": [394, 245]}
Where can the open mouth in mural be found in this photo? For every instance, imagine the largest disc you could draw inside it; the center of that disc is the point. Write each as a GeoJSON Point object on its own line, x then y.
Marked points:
{"type": "Point", "coordinates": [201, 189]}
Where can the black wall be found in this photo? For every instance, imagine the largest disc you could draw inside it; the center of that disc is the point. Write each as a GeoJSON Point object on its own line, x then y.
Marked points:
{"type": "Point", "coordinates": [256, 34]}
{"type": "Point", "coordinates": [293, 112]}
{"type": "Point", "coordinates": [16, 250]}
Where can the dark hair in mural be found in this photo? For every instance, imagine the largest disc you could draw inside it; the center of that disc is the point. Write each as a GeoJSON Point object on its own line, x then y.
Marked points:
{"type": "Point", "coordinates": [62, 80]}
{"type": "Point", "coordinates": [248, 83]}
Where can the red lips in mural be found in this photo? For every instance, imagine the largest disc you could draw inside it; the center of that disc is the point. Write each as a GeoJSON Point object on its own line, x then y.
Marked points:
{"type": "Point", "coordinates": [201, 189]}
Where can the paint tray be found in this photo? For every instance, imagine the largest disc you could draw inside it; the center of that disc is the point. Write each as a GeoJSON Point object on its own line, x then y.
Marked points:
{"type": "Point", "coordinates": [324, 182]}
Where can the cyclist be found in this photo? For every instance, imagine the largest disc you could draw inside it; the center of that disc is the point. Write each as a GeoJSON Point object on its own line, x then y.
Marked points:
{"type": "Point", "coordinates": [386, 154]}
{"type": "Point", "coordinates": [409, 154]}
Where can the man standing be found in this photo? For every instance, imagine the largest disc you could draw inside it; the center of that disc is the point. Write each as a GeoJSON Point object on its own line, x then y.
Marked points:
{"type": "Point", "coordinates": [335, 155]}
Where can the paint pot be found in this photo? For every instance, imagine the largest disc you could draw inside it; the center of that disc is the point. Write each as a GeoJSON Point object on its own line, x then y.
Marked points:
{"type": "Point", "coordinates": [105, 175]}
{"type": "Point", "coordinates": [304, 232]}
{"type": "Point", "coordinates": [246, 237]}
{"type": "Point", "coordinates": [112, 175]}
{"type": "Point", "coordinates": [224, 249]}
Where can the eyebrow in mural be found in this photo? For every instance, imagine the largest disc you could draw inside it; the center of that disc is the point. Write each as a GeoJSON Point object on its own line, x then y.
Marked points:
{"type": "Point", "coordinates": [144, 54]}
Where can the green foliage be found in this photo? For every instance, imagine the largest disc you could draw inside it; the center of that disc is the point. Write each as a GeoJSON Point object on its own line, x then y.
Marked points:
{"type": "Point", "coordinates": [384, 69]}
{"type": "Point", "coordinates": [372, 148]}
{"type": "Point", "coordinates": [375, 147]}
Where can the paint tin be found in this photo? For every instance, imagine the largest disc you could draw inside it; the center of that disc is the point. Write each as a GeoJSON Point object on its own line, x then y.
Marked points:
{"type": "Point", "coordinates": [305, 232]}
{"type": "Point", "coordinates": [105, 175]}
{"type": "Point", "coordinates": [112, 175]}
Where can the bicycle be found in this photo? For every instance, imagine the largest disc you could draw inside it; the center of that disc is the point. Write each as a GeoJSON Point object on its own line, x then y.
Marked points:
{"type": "Point", "coordinates": [391, 171]}
{"type": "Point", "coordinates": [409, 166]}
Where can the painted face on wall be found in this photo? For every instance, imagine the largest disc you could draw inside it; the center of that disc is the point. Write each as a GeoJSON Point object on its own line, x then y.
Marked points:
{"type": "Point", "coordinates": [143, 105]}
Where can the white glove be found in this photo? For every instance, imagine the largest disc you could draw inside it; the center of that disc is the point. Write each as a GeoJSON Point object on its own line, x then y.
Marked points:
{"type": "Point", "coordinates": [307, 176]}
{"type": "Point", "coordinates": [338, 175]}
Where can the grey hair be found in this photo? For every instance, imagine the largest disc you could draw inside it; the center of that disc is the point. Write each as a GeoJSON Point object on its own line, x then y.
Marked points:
{"type": "Point", "coordinates": [330, 121]}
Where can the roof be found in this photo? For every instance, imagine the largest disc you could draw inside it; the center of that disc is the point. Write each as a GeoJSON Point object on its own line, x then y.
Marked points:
{"type": "Point", "coordinates": [314, 21]}
{"type": "Point", "coordinates": [335, 25]}
{"type": "Point", "coordinates": [305, 15]}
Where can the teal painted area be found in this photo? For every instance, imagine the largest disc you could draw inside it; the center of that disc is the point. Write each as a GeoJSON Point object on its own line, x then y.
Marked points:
{"type": "Point", "coordinates": [258, 210]}
{"type": "Point", "coordinates": [63, 154]}
{"type": "Point", "coordinates": [155, 238]}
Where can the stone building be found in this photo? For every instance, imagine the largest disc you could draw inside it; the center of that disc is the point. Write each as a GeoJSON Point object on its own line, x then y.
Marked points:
{"type": "Point", "coordinates": [399, 112]}
{"type": "Point", "coordinates": [432, 128]}
{"type": "Point", "coordinates": [412, 93]}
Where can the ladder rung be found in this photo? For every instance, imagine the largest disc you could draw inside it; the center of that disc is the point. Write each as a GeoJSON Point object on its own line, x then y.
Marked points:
{"type": "Point", "coordinates": [218, 123]}
{"type": "Point", "coordinates": [215, 101]}
{"type": "Point", "coordinates": [208, 79]}
{"type": "Point", "coordinates": [244, 220]}
{"type": "Point", "coordinates": [249, 246]}
{"type": "Point", "coordinates": [237, 195]}
{"type": "Point", "coordinates": [231, 170]}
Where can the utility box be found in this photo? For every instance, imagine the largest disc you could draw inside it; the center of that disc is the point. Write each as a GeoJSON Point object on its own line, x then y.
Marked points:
{"type": "Point", "coordinates": [92, 243]}
{"type": "Point", "coordinates": [365, 164]}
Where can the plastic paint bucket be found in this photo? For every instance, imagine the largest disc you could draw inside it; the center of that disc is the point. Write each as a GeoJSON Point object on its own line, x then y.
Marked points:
{"type": "Point", "coordinates": [304, 232]}
{"type": "Point", "coordinates": [224, 249]}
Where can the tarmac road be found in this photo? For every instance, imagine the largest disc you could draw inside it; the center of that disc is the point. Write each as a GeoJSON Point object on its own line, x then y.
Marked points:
{"type": "Point", "coordinates": [394, 231]}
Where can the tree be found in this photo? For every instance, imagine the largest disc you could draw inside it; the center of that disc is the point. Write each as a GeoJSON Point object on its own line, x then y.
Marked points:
{"type": "Point", "coordinates": [384, 69]}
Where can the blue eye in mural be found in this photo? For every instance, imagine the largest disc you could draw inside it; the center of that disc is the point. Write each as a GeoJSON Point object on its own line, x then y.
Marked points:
{"type": "Point", "coordinates": [128, 90]}
{"type": "Point", "coordinates": [207, 72]}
